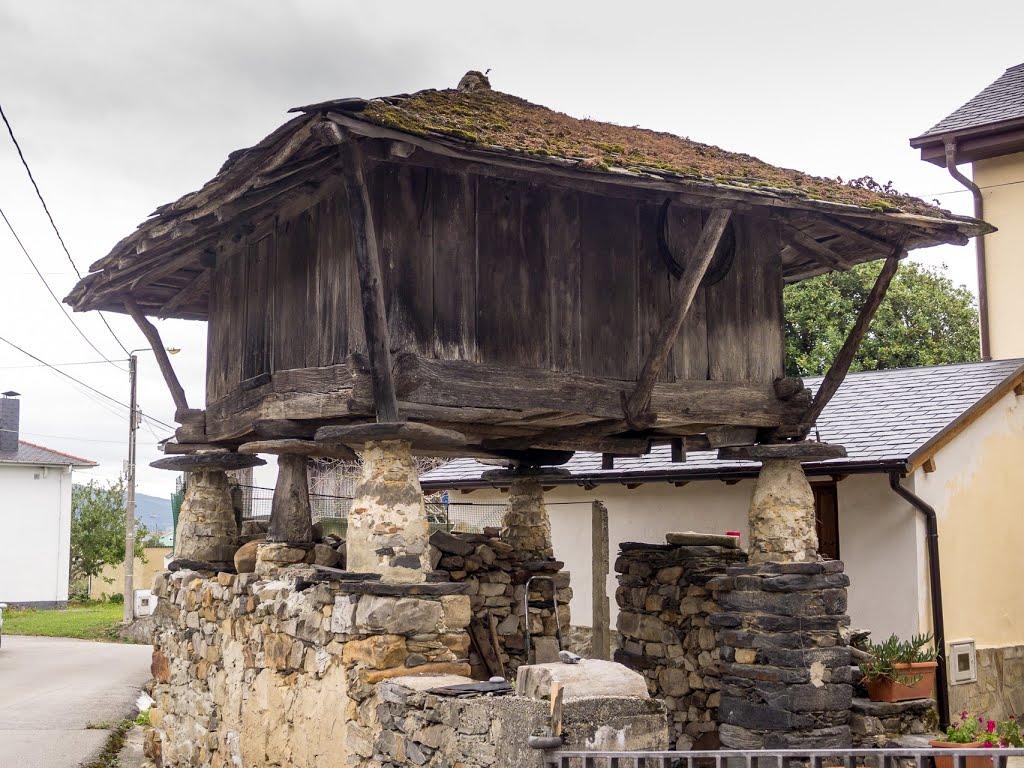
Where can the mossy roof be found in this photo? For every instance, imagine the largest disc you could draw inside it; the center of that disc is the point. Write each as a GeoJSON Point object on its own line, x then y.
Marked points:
{"type": "Point", "coordinates": [488, 119]}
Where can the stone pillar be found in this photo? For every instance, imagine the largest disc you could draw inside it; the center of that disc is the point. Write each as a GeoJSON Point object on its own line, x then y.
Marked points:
{"type": "Point", "coordinates": [388, 532]}
{"type": "Point", "coordinates": [785, 669]}
{"type": "Point", "coordinates": [782, 515]}
{"type": "Point", "coordinates": [206, 524]}
{"type": "Point", "coordinates": [782, 510]}
{"type": "Point", "coordinates": [526, 525]}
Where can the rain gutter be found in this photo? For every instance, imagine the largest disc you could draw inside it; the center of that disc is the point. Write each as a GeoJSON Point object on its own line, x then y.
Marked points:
{"type": "Point", "coordinates": [935, 584]}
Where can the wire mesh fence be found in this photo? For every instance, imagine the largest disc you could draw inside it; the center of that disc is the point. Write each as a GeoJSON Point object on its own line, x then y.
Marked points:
{"type": "Point", "coordinates": [332, 511]}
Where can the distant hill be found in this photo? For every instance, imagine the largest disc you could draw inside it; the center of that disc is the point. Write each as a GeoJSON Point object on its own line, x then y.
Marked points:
{"type": "Point", "coordinates": [153, 512]}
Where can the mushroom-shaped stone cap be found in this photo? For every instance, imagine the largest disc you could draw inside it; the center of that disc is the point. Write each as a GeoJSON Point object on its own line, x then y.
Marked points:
{"type": "Point", "coordinates": [422, 437]}
{"type": "Point", "coordinates": [204, 462]}
{"type": "Point", "coordinates": [805, 451]}
{"type": "Point", "coordinates": [296, 447]}
{"type": "Point", "coordinates": [540, 474]}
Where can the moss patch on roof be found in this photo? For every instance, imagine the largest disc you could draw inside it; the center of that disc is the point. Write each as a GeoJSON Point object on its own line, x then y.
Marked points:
{"type": "Point", "coordinates": [494, 120]}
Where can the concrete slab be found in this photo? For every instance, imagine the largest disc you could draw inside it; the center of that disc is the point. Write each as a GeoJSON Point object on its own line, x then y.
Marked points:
{"type": "Point", "coordinates": [52, 688]}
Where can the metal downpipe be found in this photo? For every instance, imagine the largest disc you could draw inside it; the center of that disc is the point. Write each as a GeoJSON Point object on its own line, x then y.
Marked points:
{"type": "Point", "coordinates": [979, 245]}
{"type": "Point", "coordinates": [935, 586]}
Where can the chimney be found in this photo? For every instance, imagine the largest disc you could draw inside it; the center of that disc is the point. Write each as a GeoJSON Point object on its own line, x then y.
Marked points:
{"type": "Point", "coordinates": [10, 420]}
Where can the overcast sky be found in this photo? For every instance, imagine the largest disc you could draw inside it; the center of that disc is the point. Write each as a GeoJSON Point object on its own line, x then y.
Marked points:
{"type": "Point", "coordinates": [122, 106]}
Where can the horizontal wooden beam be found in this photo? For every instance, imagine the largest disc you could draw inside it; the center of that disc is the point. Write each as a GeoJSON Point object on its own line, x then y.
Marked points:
{"type": "Point", "coordinates": [483, 385]}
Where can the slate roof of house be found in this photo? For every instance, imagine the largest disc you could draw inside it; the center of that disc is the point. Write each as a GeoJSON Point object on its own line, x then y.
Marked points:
{"type": "Point", "coordinates": [1000, 101]}
{"type": "Point", "coordinates": [38, 455]}
{"type": "Point", "coordinates": [883, 418]}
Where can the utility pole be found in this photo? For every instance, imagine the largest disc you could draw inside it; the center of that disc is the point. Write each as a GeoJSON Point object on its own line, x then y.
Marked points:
{"type": "Point", "coordinates": [129, 518]}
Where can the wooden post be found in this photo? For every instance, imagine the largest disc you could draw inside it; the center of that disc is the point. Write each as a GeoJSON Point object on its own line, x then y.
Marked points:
{"type": "Point", "coordinates": [705, 251]}
{"type": "Point", "coordinates": [841, 365]}
{"type": "Point", "coordinates": [153, 337]}
{"type": "Point", "coordinates": [291, 518]}
{"type": "Point", "coordinates": [601, 617]}
{"type": "Point", "coordinates": [557, 693]}
{"type": "Point", "coordinates": [371, 289]}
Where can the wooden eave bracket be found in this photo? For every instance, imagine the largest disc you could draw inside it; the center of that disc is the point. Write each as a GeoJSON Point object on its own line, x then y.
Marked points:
{"type": "Point", "coordinates": [153, 337]}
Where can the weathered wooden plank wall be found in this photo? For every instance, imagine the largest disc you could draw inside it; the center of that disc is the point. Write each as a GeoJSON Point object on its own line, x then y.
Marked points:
{"type": "Point", "coordinates": [489, 270]}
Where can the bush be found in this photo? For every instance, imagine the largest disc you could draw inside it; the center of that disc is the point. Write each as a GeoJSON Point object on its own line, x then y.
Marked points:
{"type": "Point", "coordinates": [117, 598]}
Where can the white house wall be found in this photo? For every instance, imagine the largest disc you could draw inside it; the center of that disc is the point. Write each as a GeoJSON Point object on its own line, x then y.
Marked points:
{"type": "Point", "coordinates": [881, 541]}
{"type": "Point", "coordinates": [35, 534]}
{"type": "Point", "coordinates": [878, 532]}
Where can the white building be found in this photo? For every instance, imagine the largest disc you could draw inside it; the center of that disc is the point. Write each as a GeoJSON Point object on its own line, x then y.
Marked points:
{"type": "Point", "coordinates": [35, 516]}
{"type": "Point", "coordinates": [953, 438]}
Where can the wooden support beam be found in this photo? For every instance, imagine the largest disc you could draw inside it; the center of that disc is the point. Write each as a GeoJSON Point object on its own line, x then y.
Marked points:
{"type": "Point", "coordinates": [821, 252]}
{"type": "Point", "coordinates": [153, 337]}
{"type": "Point", "coordinates": [291, 517]}
{"type": "Point", "coordinates": [371, 288]}
{"type": "Point", "coordinates": [186, 295]}
{"type": "Point", "coordinates": [841, 365]}
{"type": "Point", "coordinates": [601, 618]}
{"type": "Point", "coordinates": [703, 253]}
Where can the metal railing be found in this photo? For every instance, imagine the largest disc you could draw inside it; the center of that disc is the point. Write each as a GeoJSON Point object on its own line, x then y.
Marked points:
{"type": "Point", "coordinates": [785, 758]}
{"type": "Point", "coordinates": [465, 517]}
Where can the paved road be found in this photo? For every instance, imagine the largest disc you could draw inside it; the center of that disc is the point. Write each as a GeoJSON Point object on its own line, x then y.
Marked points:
{"type": "Point", "coordinates": [51, 688]}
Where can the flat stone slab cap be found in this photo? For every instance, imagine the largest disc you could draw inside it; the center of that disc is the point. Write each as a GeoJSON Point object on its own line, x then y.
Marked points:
{"type": "Point", "coordinates": [422, 437]}
{"type": "Point", "coordinates": [590, 678]}
{"type": "Point", "coordinates": [207, 461]}
{"type": "Point", "coordinates": [296, 447]}
{"type": "Point", "coordinates": [805, 451]}
{"type": "Point", "coordinates": [694, 539]}
{"type": "Point", "coordinates": [540, 474]}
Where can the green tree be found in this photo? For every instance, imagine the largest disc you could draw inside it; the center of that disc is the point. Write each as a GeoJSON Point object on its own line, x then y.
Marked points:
{"type": "Point", "coordinates": [925, 319]}
{"type": "Point", "coordinates": [98, 527]}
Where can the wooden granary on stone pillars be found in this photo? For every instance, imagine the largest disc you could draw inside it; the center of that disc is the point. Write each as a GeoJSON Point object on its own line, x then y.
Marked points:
{"type": "Point", "coordinates": [463, 273]}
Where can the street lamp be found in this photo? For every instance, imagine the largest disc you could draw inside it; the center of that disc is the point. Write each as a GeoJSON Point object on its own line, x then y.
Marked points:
{"type": "Point", "coordinates": [128, 615]}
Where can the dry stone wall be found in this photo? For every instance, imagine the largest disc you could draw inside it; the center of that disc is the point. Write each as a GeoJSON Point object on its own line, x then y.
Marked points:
{"type": "Point", "coordinates": [786, 674]}
{"type": "Point", "coordinates": [255, 672]}
{"type": "Point", "coordinates": [495, 578]}
{"type": "Point", "coordinates": [665, 631]}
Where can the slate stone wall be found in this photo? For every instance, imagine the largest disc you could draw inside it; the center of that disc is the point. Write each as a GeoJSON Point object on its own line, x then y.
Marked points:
{"type": "Point", "coordinates": [665, 633]}
{"type": "Point", "coordinates": [495, 577]}
{"type": "Point", "coordinates": [785, 671]}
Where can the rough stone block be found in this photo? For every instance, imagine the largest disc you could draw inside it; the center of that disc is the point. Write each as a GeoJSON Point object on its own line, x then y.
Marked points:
{"type": "Point", "coordinates": [404, 615]}
{"type": "Point", "coordinates": [589, 678]}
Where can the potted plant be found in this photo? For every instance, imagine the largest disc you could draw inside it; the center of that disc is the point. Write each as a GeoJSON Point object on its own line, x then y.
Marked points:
{"type": "Point", "coordinates": [899, 670]}
{"type": "Point", "coordinates": [976, 732]}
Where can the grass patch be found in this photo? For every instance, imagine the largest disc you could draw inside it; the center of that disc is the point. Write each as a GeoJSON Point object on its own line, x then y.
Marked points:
{"type": "Point", "coordinates": [113, 747]}
{"type": "Point", "coordinates": [87, 621]}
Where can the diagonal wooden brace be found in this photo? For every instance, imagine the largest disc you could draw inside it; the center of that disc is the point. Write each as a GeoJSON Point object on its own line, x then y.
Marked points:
{"type": "Point", "coordinates": [638, 401]}
{"type": "Point", "coordinates": [841, 365]}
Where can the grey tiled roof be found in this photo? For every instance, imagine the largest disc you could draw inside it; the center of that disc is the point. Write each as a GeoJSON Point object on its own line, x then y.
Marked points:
{"type": "Point", "coordinates": [30, 453]}
{"type": "Point", "coordinates": [1002, 100]}
{"type": "Point", "coordinates": [876, 415]}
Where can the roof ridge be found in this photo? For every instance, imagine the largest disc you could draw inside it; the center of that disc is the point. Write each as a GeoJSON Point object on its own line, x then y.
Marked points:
{"type": "Point", "coordinates": [59, 453]}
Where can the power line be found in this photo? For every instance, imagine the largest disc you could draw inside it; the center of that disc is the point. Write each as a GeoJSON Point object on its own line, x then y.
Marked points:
{"type": "Point", "coordinates": [79, 383]}
{"type": "Point", "coordinates": [53, 224]}
{"type": "Point", "coordinates": [962, 191]}
{"type": "Point", "coordinates": [55, 365]}
{"type": "Point", "coordinates": [65, 437]}
{"type": "Point", "coordinates": [50, 290]}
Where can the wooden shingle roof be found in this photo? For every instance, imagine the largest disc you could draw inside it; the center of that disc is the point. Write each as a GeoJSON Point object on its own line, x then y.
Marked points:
{"type": "Point", "coordinates": [164, 265]}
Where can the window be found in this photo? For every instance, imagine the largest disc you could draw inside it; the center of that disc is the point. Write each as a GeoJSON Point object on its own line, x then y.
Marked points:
{"type": "Point", "coordinates": [826, 519]}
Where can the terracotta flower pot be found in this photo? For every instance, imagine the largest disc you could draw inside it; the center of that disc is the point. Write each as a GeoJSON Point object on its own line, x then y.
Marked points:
{"type": "Point", "coordinates": [971, 762]}
{"type": "Point", "coordinates": [921, 683]}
